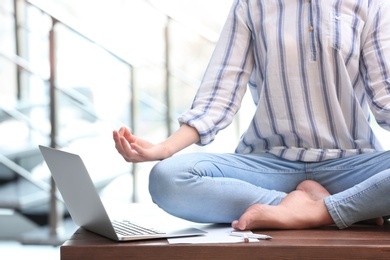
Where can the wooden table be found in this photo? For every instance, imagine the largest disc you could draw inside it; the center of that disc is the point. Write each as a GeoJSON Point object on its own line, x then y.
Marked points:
{"type": "Point", "coordinates": [356, 242]}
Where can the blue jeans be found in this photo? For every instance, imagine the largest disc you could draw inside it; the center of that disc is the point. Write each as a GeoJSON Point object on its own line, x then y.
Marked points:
{"type": "Point", "coordinates": [218, 188]}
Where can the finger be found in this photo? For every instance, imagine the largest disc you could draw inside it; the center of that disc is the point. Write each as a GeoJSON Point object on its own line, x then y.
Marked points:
{"type": "Point", "coordinates": [115, 136]}
{"type": "Point", "coordinates": [128, 152]}
{"type": "Point", "coordinates": [122, 131]}
{"type": "Point", "coordinates": [142, 153]}
{"type": "Point", "coordinates": [123, 146]}
{"type": "Point", "coordinates": [117, 141]}
{"type": "Point", "coordinates": [138, 149]}
{"type": "Point", "coordinates": [126, 132]}
{"type": "Point", "coordinates": [237, 225]}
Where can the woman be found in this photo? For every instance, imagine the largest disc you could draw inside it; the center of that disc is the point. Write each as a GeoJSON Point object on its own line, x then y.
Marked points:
{"type": "Point", "coordinates": [316, 71]}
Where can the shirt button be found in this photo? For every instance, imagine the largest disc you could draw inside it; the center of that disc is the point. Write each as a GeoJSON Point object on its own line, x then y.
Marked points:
{"type": "Point", "coordinates": [311, 28]}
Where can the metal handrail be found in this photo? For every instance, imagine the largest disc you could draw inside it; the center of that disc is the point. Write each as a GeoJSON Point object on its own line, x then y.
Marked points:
{"type": "Point", "coordinates": [203, 32]}
{"type": "Point", "coordinates": [50, 80]}
{"type": "Point", "coordinates": [26, 175]}
{"type": "Point", "coordinates": [83, 35]}
{"type": "Point", "coordinates": [24, 65]}
{"type": "Point", "coordinates": [57, 20]}
{"type": "Point", "coordinates": [206, 34]}
{"type": "Point", "coordinates": [79, 100]}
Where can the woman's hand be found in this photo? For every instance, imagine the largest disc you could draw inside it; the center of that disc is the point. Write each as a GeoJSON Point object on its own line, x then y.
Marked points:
{"type": "Point", "coordinates": [134, 149]}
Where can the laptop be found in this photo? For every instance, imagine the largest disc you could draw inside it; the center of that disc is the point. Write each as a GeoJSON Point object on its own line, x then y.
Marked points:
{"type": "Point", "coordinates": [86, 208]}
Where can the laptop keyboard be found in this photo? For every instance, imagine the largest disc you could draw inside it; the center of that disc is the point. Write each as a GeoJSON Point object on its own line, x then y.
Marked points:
{"type": "Point", "coordinates": [127, 228]}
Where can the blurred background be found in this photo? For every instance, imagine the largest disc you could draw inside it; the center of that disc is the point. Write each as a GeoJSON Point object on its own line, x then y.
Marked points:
{"type": "Point", "coordinates": [71, 72]}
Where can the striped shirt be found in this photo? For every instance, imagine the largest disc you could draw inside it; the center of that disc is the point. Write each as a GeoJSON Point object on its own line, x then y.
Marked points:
{"type": "Point", "coordinates": [315, 69]}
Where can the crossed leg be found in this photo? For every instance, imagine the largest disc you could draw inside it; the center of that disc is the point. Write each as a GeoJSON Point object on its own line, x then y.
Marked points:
{"type": "Point", "coordinates": [302, 208]}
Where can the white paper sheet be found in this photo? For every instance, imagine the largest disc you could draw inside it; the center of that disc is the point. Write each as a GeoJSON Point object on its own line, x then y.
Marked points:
{"type": "Point", "coordinates": [216, 234]}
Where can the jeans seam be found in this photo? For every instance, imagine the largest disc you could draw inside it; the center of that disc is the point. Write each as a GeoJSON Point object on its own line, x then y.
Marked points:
{"type": "Point", "coordinates": [334, 213]}
{"type": "Point", "coordinates": [332, 205]}
{"type": "Point", "coordinates": [373, 186]}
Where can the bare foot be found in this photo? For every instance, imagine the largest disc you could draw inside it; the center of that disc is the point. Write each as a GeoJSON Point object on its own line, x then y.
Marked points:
{"type": "Point", "coordinates": [318, 192]}
{"type": "Point", "coordinates": [315, 190]}
{"type": "Point", "coordinates": [300, 209]}
{"type": "Point", "coordinates": [379, 221]}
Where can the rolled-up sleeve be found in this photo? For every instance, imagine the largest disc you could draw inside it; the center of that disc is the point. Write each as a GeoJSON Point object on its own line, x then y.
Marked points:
{"type": "Point", "coordinates": [376, 62]}
{"type": "Point", "coordinates": [224, 84]}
